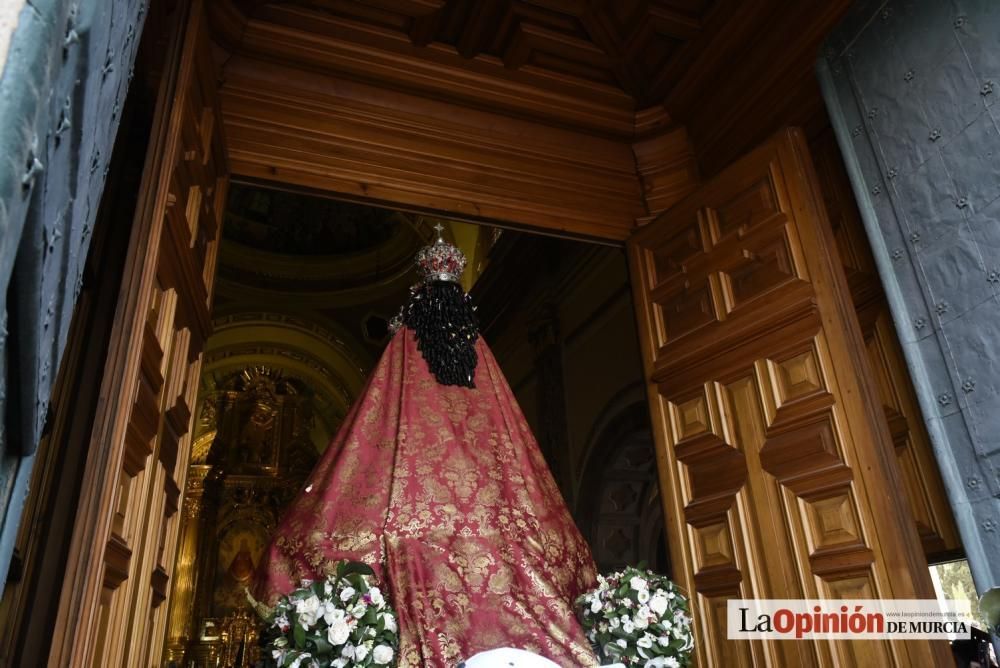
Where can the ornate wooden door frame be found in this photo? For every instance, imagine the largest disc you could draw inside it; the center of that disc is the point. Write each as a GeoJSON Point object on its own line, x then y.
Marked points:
{"type": "Point", "coordinates": [776, 466]}
{"type": "Point", "coordinates": [112, 609]}
{"type": "Point", "coordinates": [753, 358]}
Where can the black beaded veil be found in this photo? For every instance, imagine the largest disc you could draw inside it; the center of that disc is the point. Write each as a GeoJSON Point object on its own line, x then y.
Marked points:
{"type": "Point", "coordinates": [441, 315]}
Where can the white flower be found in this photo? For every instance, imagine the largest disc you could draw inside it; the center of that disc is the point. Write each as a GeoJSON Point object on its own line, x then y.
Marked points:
{"type": "Point", "coordinates": [637, 583]}
{"type": "Point", "coordinates": [671, 662]}
{"type": "Point", "coordinates": [360, 652]}
{"type": "Point", "coordinates": [375, 596]}
{"type": "Point", "coordinates": [347, 593]}
{"type": "Point", "coordinates": [281, 623]}
{"type": "Point", "coordinates": [614, 622]}
{"type": "Point", "coordinates": [622, 643]}
{"type": "Point", "coordinates": [658, 662]}
{"type": "Point", "coordinates": [278, 655]}
{"type": "Point", "coordinates": [382, 654]}
{"type": "Point", "coordinates": [646, 641]}
{"type": "Point", "coordinates": [348, 651]}
{"type": "Point", "coordinates": [308, 611]}
{"type": "Point", "coordinates": [628, 626]}
{"type": "Point", "coordinates": [339, 663]}
{"type": "Point", "coordinates": [331, 613]}
{"type": "Point", "coordinates": [328, 588]}
{"type": "Point", "coordinates": [596, 605]}
{"type": "Point", "coordinates": [671, 594]}
{"type": "Point", "coordinates": [658, 604]}
{"type": "Point", "coordinates": [640, 620]}
{"type": "Point", "coordinates": [390, 622]}
{"type": "Point", "coordinates": [305, 582]}
{"type": "Point", "coordinates": [298, 660]}
{"type": "Point", "coordinates": [643, 596]}
{"type": "Point", "coordinates": [663, 640]}
{"type": "Point", "coordinates": [338, 633]}
{"type": "Point", "coordinates": [359, 610]}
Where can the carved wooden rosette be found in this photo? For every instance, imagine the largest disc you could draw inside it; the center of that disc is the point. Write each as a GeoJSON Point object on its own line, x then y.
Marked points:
{"type": "Point", "coordinates": [777, 467]}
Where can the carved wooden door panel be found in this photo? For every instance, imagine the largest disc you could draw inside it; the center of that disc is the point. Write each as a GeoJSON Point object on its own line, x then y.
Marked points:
{"type": "Point", "coordinates": [918, 468]}
{"type": "Point", "coordinates": [112, 609]}
{"type": "Point", "coordinates": [778, 471]}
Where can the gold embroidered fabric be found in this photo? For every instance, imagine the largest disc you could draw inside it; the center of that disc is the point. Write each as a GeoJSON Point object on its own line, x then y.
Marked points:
{"type": "Point", "coordinates": [443, 490]}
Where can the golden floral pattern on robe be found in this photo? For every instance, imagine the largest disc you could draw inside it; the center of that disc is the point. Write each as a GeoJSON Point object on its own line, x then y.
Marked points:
{"type": "Point", "coordinates": [443, 490]}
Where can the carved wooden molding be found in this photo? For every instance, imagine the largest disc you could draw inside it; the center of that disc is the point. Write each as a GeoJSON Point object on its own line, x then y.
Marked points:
{"type": "Point", "coordinates": [667, 168]}
{"type": "Point", "coordinates": [317, 131]}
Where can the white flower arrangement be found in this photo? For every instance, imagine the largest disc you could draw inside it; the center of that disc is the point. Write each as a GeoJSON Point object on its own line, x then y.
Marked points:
{"type": "Point", "coordinates": [637, 618]}
{"type": "Point", "coordinates": [343, 621]}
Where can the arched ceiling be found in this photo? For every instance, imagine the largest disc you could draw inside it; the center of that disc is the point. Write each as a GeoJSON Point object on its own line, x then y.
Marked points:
{"type": "Point", "coordinates": [327, 360]}
{"type": "Point", "coordinates": [290, 244]}
{"type": "Point", "coordinates": [282, 222]}
{"type": "Point", "coordinates": [312, 252]}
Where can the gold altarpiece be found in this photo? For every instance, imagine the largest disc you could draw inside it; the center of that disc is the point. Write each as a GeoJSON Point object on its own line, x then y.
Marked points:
{"type": "Point", "coordinates": [251, 454]}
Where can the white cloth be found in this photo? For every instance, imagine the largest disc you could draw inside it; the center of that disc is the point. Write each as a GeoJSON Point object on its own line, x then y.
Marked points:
{"type": "Point", "coordinates": [509, 657]}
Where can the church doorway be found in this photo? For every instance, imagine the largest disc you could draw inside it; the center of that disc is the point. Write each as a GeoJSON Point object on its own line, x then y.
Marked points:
{"type": "Point", "coordinates": [305, 286]}
{"type": "Point", "coordinates": [777, 402]}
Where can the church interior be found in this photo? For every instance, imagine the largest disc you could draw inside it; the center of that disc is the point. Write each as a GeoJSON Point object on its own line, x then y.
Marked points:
{"type": "Point", "coordinates": [282, 162]}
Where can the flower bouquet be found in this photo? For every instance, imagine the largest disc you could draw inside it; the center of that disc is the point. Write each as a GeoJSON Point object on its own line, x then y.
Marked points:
{"type": "Point", "coordinates": [342, 621]}
{"type": "Point", "coordinates": [637, 618]}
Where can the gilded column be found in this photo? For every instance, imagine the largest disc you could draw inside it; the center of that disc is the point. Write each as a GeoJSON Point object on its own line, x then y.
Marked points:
{"type": "Point", "coordinates": [180, 629]}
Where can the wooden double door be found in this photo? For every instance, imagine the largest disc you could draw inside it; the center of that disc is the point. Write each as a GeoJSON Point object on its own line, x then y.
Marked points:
{"type": "Point", "coordinates": [780, 475]}
{"type": "Point", "coordinates": [778, 471]}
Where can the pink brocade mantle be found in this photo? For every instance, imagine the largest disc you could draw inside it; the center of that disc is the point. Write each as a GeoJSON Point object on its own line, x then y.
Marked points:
{"type": "Point", "coordinates": [443, 490]}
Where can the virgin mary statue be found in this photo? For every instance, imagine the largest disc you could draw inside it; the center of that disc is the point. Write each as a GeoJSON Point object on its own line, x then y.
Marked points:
{"type": "Point", "coordinates": [436, 481]}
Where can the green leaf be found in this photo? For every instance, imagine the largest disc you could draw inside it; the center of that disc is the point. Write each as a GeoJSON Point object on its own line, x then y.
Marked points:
{"type": "Point", "coordinates": [350, 567]}
{"type": "Point", "coordinates": [323, 647]}
{"type": "Point", "coordinates": [299, 634]}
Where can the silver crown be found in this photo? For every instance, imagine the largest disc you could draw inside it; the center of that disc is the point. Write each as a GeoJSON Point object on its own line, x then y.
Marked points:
{"type": "Point", "coordinates": [440, 261]}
